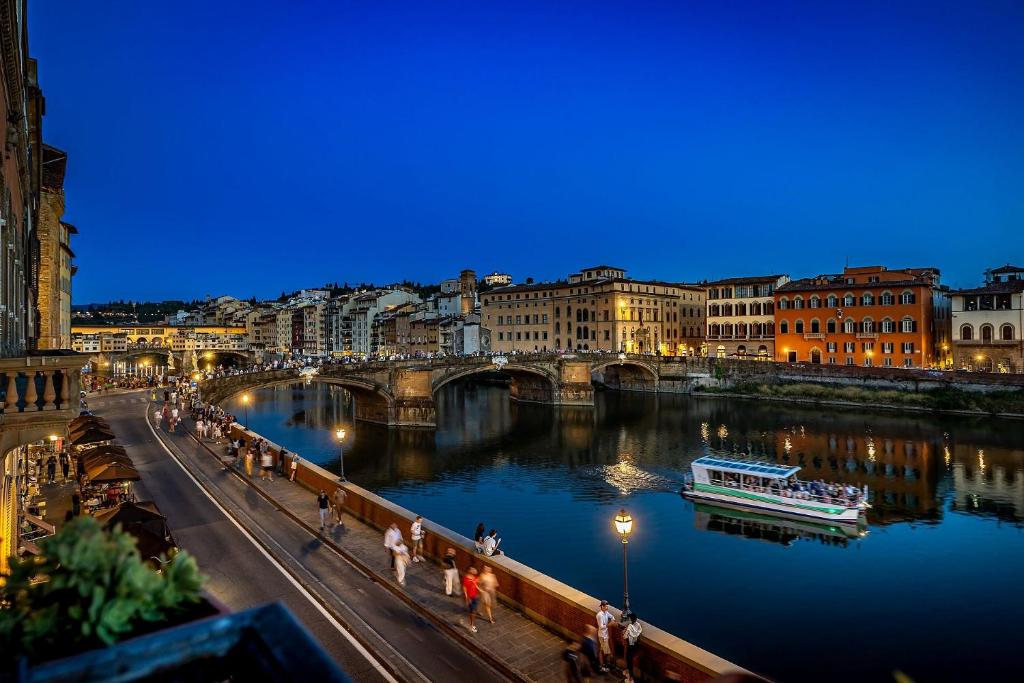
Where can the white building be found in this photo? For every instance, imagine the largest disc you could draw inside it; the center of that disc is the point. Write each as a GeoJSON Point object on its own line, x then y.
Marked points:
{"type": "Point", "coordinates": [988, 323]}
{"type": "Point", "coordinates": [365, 307]}
{"type": "Point", "coordinates": [497, 279]}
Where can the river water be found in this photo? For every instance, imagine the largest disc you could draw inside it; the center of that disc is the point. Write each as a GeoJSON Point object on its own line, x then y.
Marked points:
{"type": "Point", "coordinates": [933, 589]}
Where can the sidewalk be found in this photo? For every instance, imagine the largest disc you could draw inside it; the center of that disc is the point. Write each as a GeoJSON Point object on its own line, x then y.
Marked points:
{"type": "Point", "coordinates": [520, 643]}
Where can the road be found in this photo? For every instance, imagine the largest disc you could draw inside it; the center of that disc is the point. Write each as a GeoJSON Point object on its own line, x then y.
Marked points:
{"type": "Point", "coordinates": [254, 554]}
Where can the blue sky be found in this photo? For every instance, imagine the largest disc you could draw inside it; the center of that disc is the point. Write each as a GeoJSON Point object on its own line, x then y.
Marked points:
{"type": "Point", "coordinates": [247, 148]}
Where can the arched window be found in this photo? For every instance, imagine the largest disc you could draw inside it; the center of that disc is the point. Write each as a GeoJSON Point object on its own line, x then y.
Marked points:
{"type": "Point", "coordinates": [887, 299]}
{"type": "Point", "coordinates": [579, 315]}
{"type": "Point", "coordinates": [832, 301]}
{"type": "Point", "coordinates": [727, 310]}
{"type": "Point", "coordinates": [849, 326]}
{"type": "Point", "coordinates": [867, 325]}
{"type": "Point", "coordinates": [783, 327]}
{"type": "Point", "coordinates": [727, 330]}
{"type": "Point", "coordinates": [715, 330]}
{"type": "Point", "coordinates": [713, 310]}
{"type": "Point", "coordinates": [741, 330]}
{"type": "Point", "coordinates": [867, 299]}
{"type": "Point", "coordinates": [830, 326]}
{"type": "Point", "coordinates": [769, 308]}
{"type": "Point", "coordinates": [769, 329]}
{"type": "Point", "coordinates": [849, 299]}
{"type": "Point", "coordinates": [815, 326]}
{"type": "Point", "coordinates": [568, 312]}
{"type": "Point", "coordinates": [558, 313]}
{"type": "Point", "coordinates": [986, 333]}
{"type": "Point", "coordinates": [815, 301]}
{"type": "Point", "coordinates": [1006, 332]}
{"type": "Point", "coordinates": [909, 325]}
{"type": "Point", "coordinates": [783, 303]}
{"type": "Point", "coordinates": [755, 308]}
{"type": "Point", "coordinates": [798, 327]}
{"type": "Point", "coordinates": [558, 327]}
{"type": "Point", "coordinates": [966, 332]}
{"type": "Point", "coordinates": [907, 297]}
{"type": "Point", "coordinates": [741, 350]}
{"type": "Point", "coordinates": [558, 343]}
{"type": "Point", "coordinates": [888, 326]}
{"type": "Point", "coordinates": [741, 309]}
{"type": "Point", "coordinates": [798, 302]}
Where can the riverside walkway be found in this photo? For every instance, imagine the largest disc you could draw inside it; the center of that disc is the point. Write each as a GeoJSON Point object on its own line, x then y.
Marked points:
{"type": "Point", "coordinates": [516, 647]}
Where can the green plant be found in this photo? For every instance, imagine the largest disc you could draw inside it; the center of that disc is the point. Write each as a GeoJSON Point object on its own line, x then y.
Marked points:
{"type": "Point", "coordinates": [89, 588]}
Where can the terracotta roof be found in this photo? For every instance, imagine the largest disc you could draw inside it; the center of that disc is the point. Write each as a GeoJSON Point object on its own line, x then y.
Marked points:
{"type": "Point", "coordinates": [752, 279]}
{"type": "Point", "coordinates": [811, 284]}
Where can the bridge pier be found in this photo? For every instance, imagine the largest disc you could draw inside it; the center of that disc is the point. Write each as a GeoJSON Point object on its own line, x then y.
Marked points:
{"type": "Point", "coordinates": [414, 399]}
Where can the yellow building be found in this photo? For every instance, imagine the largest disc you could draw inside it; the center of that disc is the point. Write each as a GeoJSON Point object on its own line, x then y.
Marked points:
{"type": "Point", "coordinates": [157, 335]}
{"type": "Point", "coordinates": [597, 308]}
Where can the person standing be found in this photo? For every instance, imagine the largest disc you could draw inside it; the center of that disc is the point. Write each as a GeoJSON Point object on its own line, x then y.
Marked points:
{"type": "Point", "coordinates": [604, 617]}
{"type": "Point", "coordinates": [200, 429]}
{"type": "Point", "coordinates": [630, 636]}
{"type": "Point", "coordinates": [392, 537]}
{"type": "Point", "coordinates": [451, 572]}
{"type": "Point", "coordinates": [248, 462]}
{"type": "Point", "coordinates": [282, 462]}
{"type": "Point", "coordinates": [294, 467]}
{"type": "Point", "coordinates": [267, 465]}
{"type": "Point", "coordinates": [51, 470]}
{"type": "Point", "coordinates": [471, 594]}
{"type": "Point", "coordinates": [416, 533]}
{"type": "Point", "coordinates": [323, 504]}
{"type": "Point", "coordinates": [488, 584]}
{"type": "Point", "coordinates": [339, 502]}
{"type": "Point", "coordinates": [401, 562]}
{"type": "Point", "coordinates": [65, 464]}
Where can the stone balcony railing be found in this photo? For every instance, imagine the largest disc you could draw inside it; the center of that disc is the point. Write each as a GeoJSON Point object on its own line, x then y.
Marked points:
{"type": "Point", "coordinates": [813, 335]}
{"type": "Point", "coordinates": [40, 383]}
{"type": "Point", "coordinates": [867, 335]}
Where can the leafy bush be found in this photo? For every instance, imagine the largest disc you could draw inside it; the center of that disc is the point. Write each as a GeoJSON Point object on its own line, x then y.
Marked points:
{"type": "Point", "coordinates": [89, 588]}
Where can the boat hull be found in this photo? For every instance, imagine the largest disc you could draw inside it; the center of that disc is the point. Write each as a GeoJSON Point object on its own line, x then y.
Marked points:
{"type": "Point", "coordinates": [794, 508]}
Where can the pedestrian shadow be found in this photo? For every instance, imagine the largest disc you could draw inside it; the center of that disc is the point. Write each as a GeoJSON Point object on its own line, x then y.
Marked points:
{"type": "Point", "coordinates": [312, 546]}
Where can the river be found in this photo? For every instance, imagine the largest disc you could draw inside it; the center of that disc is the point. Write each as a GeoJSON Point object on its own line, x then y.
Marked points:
{"type": "Point", "coordinates": [933, 589]}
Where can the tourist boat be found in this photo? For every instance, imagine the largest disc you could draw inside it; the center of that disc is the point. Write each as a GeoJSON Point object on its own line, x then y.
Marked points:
{"type": "Point", "coordinates": [768, 488]}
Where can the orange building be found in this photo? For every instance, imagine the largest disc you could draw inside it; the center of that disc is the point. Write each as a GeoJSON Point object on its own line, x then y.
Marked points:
{"type": "Point", "coordinates": [868, 316]}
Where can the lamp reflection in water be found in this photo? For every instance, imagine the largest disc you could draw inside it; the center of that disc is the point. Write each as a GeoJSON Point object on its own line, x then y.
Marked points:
{"type": "Point", "coordinates": [340, 434]}
{"type": "Point", "coordinates": [624, 525]}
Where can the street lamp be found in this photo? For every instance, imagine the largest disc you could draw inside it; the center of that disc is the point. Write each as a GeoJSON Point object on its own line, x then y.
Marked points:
{"type": "Point", "coordinates": [341, 452]}
{"type": "Point", "coordinates": [245, 402]}
{"type": "Point", "coordinates": [624, 525]}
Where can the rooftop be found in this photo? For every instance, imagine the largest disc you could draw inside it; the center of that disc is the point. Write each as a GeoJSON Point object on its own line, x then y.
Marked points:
{"type": "Point", "coordinates": [751, 279]}
{"type": "Point", "coordinates": [1011, 287]}
{"type": "Point", "coordinates": [1007, 269]}
{"type": "Point", "coordinates": [765, 469]}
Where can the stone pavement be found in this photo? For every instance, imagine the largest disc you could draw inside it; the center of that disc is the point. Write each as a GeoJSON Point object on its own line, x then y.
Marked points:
{"type": "Point", "coordinates": [522, 644]}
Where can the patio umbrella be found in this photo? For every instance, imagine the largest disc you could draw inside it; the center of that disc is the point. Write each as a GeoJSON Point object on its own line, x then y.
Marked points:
{"type": "Point", "coordinates": [102, 449]}
{"type": "Point", "coordinates": [112, 472]}
{"type": "Point", "coordinates": [141, 515]}
{"type": "Point", "coordinates": [87, 426]}
{"type": "Point", "coordinates": [92, 435]}
{"type": "Point", "coordinates": [86, 420]}
{"type": "Point", "coordinates": [102, 460]}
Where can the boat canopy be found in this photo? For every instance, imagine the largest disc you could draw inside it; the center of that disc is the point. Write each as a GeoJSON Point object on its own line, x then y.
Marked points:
{"type": "Point", "coordinates": [760, 469]}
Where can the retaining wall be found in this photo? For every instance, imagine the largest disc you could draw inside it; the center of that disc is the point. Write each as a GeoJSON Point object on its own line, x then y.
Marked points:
{"type": "Point", "coordinates": [553, 604]}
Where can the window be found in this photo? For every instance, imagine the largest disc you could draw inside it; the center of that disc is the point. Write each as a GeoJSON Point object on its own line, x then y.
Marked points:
{"type": "Point", "coordinates": [546, 335]}
{"type": "Point", "coordinates": [1006, 332]}
{"type": "Point", "coordinates": [849, 347]}
{"type": "Point", "coordinates": [832, 301]}
{"type": "Point", "coordinates": [783, 304]}
{"type": "Point", "coordinates": [831, 360]}
{"type": "Point", "coordinates": [887, 347]}
{"type": "Point", "coordinates": [536, 319]}
{"type": "Point", "coordinates": [783, 327]}
{"type": "Point", "coordinates": [867, 299]}
{"type": "Point", "coordinates": [607, 335]}
{"type": "Point", "coordinates": [867, 326]}
{"type": "Point", "coordinates": [887, 362]}
{"type": "Point", "coordinates": [830, 326]}
{"type": "Point", "coordinates": [544, 318]}
{"type": "Point", "coordinates": [849, 360]}
{"type": "Point", "coordinates": [799, 326]}
{"type": "Point", "coordinates": [830, 347]}
{"type": "Point", "coordinates": [887, 299]}
{"type": "Point", "coordinates": [501, 336]}
{"type": "Point", "coordinates": [867, 346]}
{"type": "Point", "coordinates": [849, 300]}
{"type": "Point", "coordinates": [501, 320]}
{"type": "Point", "coordinates": [966, 332]}
{"type": "Point", "coordinates": [986, 333]}
{"type": "Point", "coordinates": [850, 326]}
{"type": "Point", "coordinates": [815, 301]}
{"type": "Point", "coordinates": [798, 302]}
{"type": "Point", "coordinates": [815, 326]}
{"type": "Point", "coordinates": [519, 320]}
{"type": "Point", "coordinates": [888, 327]}
{"type": "Point", "coordinates": [908, 362]}
{"type": "Point", "coordinates": [907, 297]}
{"type": "Point", "coordinates": [867, 362]}
{"type": "Point", "coordinates": [907, 347]}
{"type": "Point", "coordinates": [908, 325]}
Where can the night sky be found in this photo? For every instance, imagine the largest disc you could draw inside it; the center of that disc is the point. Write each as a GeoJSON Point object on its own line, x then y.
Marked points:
{"type": "Point", "coordinates": [247, 148]}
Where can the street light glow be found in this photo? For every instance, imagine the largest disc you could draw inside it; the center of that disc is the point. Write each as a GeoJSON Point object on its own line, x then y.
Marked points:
{"type": "Point", "coordinates": [245, 398]}
{"type": "Point", "coordinates": [340, 434]}
{"type": "Point", "coordinates": [624, 524]}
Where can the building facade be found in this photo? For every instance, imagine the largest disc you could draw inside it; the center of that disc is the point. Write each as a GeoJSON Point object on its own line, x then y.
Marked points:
{"type": "Point", "coordinates": [988, 323]}
{"type": "Point", "coordinates": [741, 316]}
{"type": "Point", "coordinates": [596, 309]}
{"type": "Point", "coordinates": [867, 316]}
{"type": "Point", "coordinates": [55, 255]}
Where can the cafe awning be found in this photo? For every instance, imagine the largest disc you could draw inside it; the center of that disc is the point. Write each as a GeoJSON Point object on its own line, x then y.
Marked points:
{"type": "Point", "coordinates": [112, 472]}
{"type": "Point", "coordinates": [92, 435]}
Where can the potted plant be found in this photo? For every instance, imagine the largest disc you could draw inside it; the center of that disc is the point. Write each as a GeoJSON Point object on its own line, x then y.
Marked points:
{"type": "Point", "coordinates": [89, 588]}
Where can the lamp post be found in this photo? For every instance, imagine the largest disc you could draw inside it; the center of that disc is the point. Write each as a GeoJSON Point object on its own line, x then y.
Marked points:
{"type": "Point", "coordinates": [341, 453]}
{"type": "Point", "coordinates": [624, 525]}
{"type": "Point", "coordinates": [245, 402]}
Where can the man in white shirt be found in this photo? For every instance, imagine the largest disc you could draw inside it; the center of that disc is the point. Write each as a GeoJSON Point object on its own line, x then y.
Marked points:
{"type": "Point", "coordinates": [392, 538]}
{"type": "Point", "coordinates": [604, 650]}
{"type": "Point", "coordinates": [491, 543]}
{"type": "Point", "coordinates": [416, 533]}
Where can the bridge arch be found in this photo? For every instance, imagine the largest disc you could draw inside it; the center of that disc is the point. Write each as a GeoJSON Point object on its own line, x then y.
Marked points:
{"type": "Point", "coordinates": [626, 375]}
{"type": "Point", "coordinates": [529, 384]}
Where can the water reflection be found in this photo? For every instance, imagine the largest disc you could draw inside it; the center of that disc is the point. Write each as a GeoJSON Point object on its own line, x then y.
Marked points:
{"type": "Point", "coordinates": [771, 528]}
{"type": "Point", "coordinates": [947, 496]}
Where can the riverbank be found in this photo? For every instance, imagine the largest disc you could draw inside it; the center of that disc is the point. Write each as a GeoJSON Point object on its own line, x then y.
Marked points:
{"type": "Point", "coordinates": [949, 401]}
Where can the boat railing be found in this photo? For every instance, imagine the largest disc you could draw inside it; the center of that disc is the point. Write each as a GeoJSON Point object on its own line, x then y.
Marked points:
{"type": "Point", "coordinates": [844, 500]}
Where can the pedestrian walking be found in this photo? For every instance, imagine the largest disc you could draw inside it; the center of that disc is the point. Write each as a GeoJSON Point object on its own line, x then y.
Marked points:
{"type": "Point", "coordinates": [248, 462]}
{"type": "Point", "coordinates": [339, 501]}
{"type": "Point", "coordinates": [323, 504]}
{"type": "Point", "coordinates": [471, 595]}
{"type": "Point", "coordinates": [51, 470]}
{"type": "Point", "coordinates": [294, 468]}
{"type": "Point", "coordinates": [416, 533]}
{"type": "Point", "coordinates": [575, 665]}
{"type": "Point", "coordinates": [266, 466]}
{"type": "Point", "coordinates": [488, 584]}
{"type": "Point", "coordinates": [603, 618]}
{"type": "Point", "coordinates": [591, 649]}
{"type": "Point", "coordinates": [201, 429]}
{"type": "Point", "coordinates": [630, 637]}
{"type": "Point", "coordinates": [451, 572]}
{"type": "Point", "coordinates": [392, 537]}
{"type": "Point", "coordinates": [65, 464]}
{"type": "Point", "coordinates": [401, 562]}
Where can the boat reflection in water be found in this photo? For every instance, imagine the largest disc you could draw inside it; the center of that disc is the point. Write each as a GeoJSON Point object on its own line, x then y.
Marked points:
{"type": "Point", "coordinates": [773, 528]}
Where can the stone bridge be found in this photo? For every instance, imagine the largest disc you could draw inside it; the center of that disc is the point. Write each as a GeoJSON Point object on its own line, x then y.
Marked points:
{"type": "Point", "coordinates": [401, 393]}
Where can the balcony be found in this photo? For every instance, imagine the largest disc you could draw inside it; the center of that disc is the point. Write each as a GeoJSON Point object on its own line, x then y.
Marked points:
{"type": "Point", "coordinates": [813, 335]}
{"type": "Point", "coordinates": [867, 335]}
{"type": "Point", "coordinates": [40, 393]}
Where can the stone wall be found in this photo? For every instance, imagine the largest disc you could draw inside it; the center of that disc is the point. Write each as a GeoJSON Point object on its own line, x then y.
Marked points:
{"type": "Point", "coordinates": [551, 603]}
